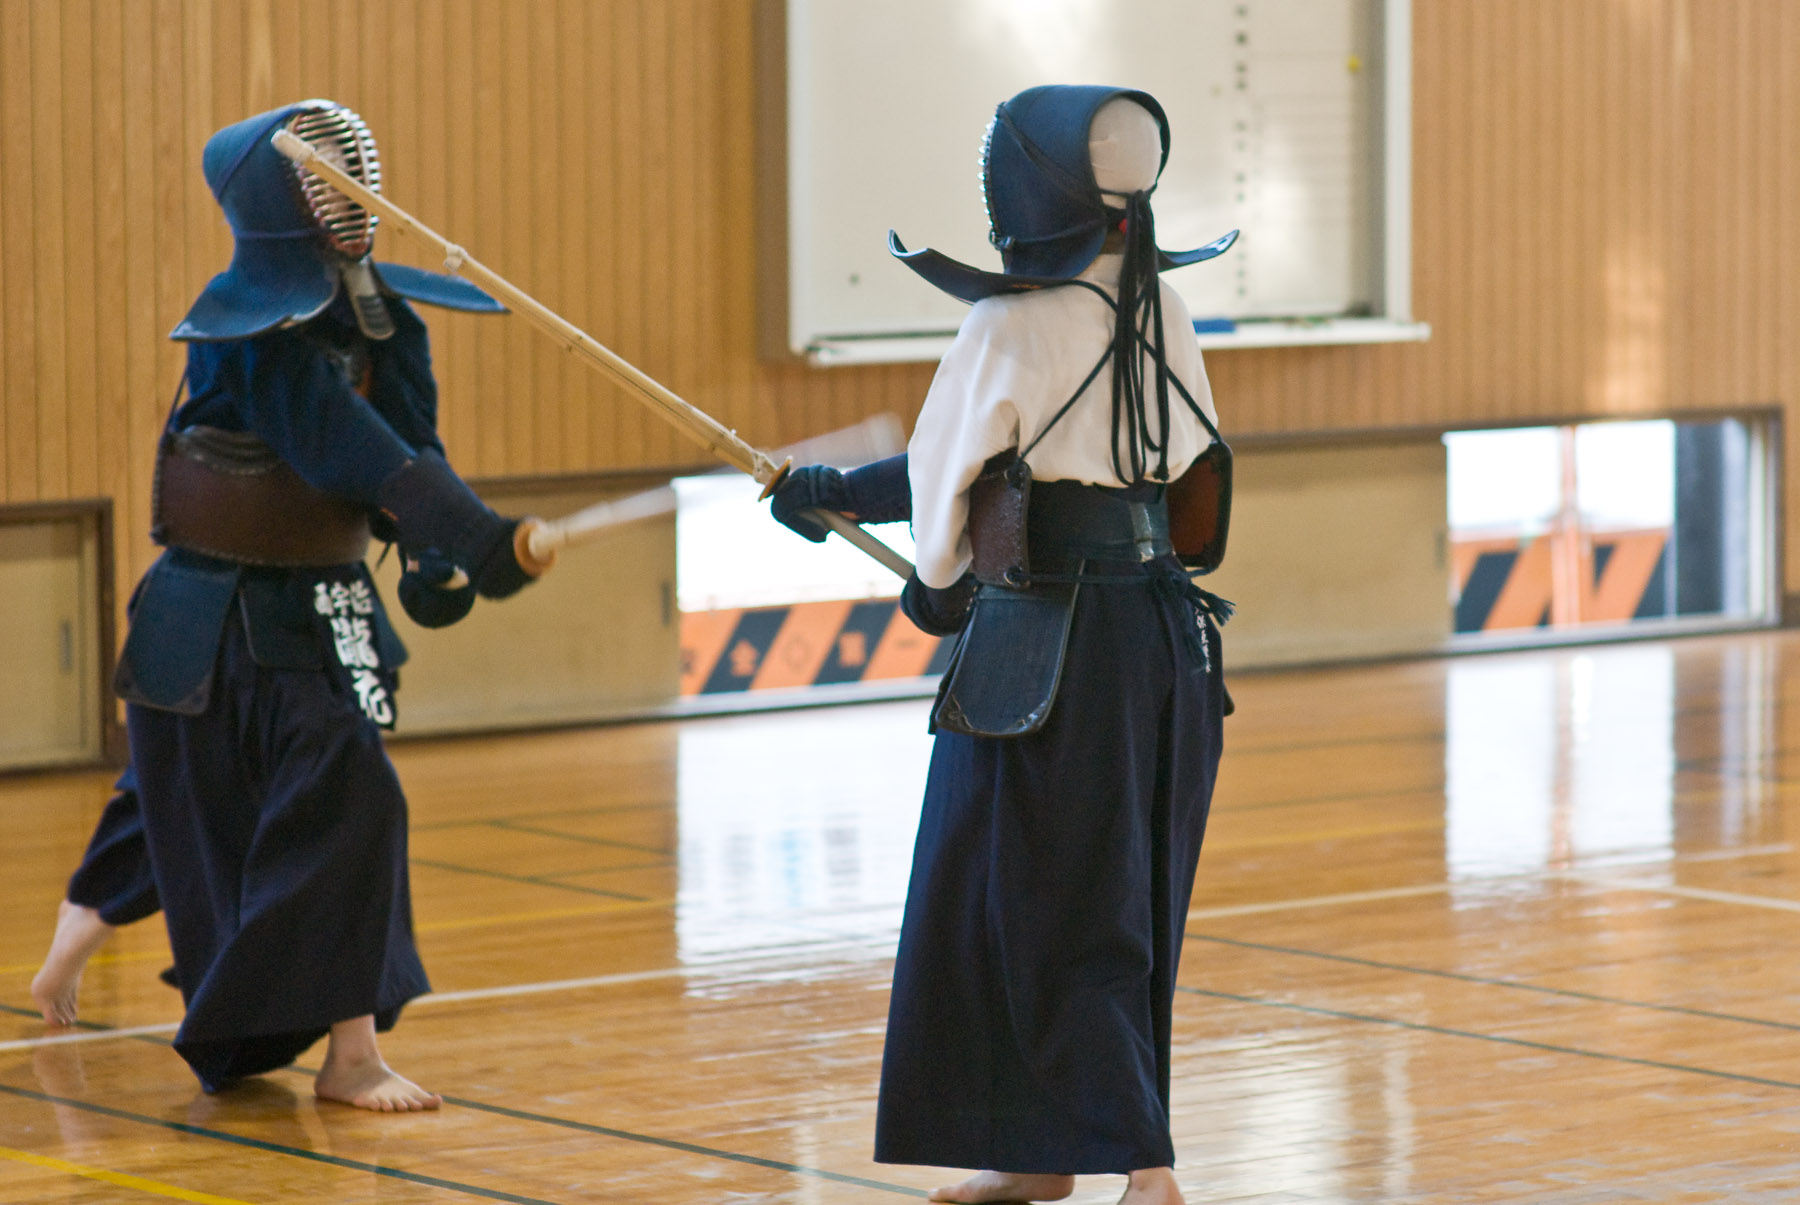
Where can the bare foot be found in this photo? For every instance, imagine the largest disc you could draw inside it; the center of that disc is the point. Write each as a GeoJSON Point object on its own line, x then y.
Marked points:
{"type": "Point", "coordinates": [1153, 1186]}
{"type": "Point", "coordinates": [79, 932]}
{"type": "Point", "coordinates": [355, 1074]}
{"type": "Point", "coordinates": [373, 1086]}
{"type": "Point", "coordinates": [1006, 1186]}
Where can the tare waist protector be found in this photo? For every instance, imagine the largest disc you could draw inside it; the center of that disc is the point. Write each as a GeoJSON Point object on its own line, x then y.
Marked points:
{"type": "Point", "coordinates": [1007, 665]}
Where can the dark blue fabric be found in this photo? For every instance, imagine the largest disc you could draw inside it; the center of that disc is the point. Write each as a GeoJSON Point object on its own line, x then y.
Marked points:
{"type": "Point", "coordinates": [1049, 217]}
{"type": "Point", "coordinates": [281, 270]}
{"type": "Point", "coordinates": [436, 508]}
{"type": "Point", "coordinates": [177, 612]}
{"type": "Point", "coordinates": [267, 284]}
{"type": "Point", "coordinates": [939, 612]}
{"type": "Point", "coordinates": [284, 387]}
{"type": "Point", "coordinates": [274, 824]}
{"type": "Point", "coordinates": [425, 592]}
{"type": "Point", "coordinates": [276, 828]}
{"type": "Point", "coordinates": [1029, 1024]}
{"type": "Point", "coordinates": [253, 182]}
{"type": "Point", "coordinates": [436, 288]}
{"type": "Point", "coordinates": [114, 877]}
{"type": "Point", "coordinates": [809, 487]}
{"type": "Point", "coordinates": [878, 492]}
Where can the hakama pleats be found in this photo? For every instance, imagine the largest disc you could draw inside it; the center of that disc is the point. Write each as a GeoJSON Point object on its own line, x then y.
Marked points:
{"type": "Point", "coordinates": [277, 833]}
{"type": "Point", "coordinates": [1030, 1020]}
{"type": "Point", "coordinates": [114, 877]}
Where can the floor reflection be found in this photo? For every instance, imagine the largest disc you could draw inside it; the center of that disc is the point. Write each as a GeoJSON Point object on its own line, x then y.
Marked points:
{"type": "Point", "coordinates": [1558, 761]}
{"type": "Point", "coordinates": [1580, 758]}
{"type": "Point", "coordinates": [1497, 928]}
{"type": "Point", "coordinates": [796, 829]}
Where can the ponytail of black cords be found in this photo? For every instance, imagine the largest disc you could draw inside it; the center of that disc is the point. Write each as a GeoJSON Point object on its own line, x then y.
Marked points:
{"type": "Point", "coordinates": [1138, 320]}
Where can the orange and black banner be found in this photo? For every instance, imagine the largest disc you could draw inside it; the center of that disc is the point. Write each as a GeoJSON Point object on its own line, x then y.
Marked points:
{"type": "Point", "coordinates": [1512, 583]}
{"type": "Point", "coordinates": [805, 644]}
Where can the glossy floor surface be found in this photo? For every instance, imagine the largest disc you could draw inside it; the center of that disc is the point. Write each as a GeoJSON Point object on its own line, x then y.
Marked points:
{"type": "Point", "coordinates": [1501, 928]}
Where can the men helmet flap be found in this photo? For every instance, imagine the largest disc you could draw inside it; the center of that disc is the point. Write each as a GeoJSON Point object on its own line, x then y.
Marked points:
{"type": "Point", "coordinates": [298, 242]}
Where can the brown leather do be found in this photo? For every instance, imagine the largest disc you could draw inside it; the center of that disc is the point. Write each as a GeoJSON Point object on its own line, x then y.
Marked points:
{"type": "Point", "coordinates": [1200, 509]}
{"type": "Point", "coordinates": [227, 494]}
{"type": "Point", "coordinates": [999, 506]}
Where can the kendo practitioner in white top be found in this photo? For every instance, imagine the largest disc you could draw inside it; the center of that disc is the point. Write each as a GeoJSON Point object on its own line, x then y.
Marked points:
{"type": "Point", "coordinates": [1078, 728]}
{"type": "Point", "coordinates": [260, 668]}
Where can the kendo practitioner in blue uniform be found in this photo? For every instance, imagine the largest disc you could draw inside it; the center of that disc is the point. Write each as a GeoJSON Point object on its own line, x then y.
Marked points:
{"type": "Point", "coordinates": [260, 668]}
{"type": "Point", "coordinates": [1064, 480]}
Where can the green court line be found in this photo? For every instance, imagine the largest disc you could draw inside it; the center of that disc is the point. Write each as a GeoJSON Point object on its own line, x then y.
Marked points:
{"type": "Point", "coordinates": [1435, 736]}
{"type": "Point", "coordinates": [532, 880]}
{"type": "Point", "coordinates": [474, 1106]}
{"type": "Point", "coordinates": [35, 1015]}
{"type": "Point", "coordinates": [599, 809]}
{"type": "Point", "coordinates": [1306, 801]}
{"type": "Point", "coordinates": [688, 1147]}
{"type": "Point", "coordinates": [587, 870]}
{"type": "Point", "coordinates": [1444, 1031]}
{"type": "Point", "coordinates": [516, 827]}
{"type": "Point", "coordinates": [1488, 981]}
{"type": "Point", "coordinates": [182, 1127]}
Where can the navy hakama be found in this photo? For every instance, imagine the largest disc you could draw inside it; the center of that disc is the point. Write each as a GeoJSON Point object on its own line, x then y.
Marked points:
{"type": "Point", "coordinates": [1029, 1025]}
{"type": "Point", "coordinates": [114, 877]}
{"type": "Point", "coordinates": [277, 829]}
{"type": "Point", "coordinates": [259, 667]}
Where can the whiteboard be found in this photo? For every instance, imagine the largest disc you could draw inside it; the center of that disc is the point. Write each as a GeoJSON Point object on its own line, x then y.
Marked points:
{"type": "Point", "coordinates": [1282, 123]}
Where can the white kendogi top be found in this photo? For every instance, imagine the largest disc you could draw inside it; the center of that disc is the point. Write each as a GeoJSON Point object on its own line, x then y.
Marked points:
{"type": "Point", "coordinates": [1014, 362]}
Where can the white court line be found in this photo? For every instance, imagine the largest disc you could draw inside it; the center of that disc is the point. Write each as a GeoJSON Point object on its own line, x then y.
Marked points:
{"type": "Point", "coordinates": [1747, 851]}
{"type": "Point", "coordinates": [1319, 901]}
{"type": "Point", "coordinates": [734, 966]}
{"type": "Point", "coordinates": [1589, 877]}
{"type": "Point", "coordinates": [555, 985]}
{"type": "Point", "coordinates": [481, 993]}
{"type": "Point", "coordinates": [89, 1035]}
{"type": "Point", "coordinates": [1697, 893]}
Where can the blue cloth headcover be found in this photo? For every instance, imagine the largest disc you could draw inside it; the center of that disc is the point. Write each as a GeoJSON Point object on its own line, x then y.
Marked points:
{"type": "Point", "coordinates": [1047, 215]}
{"type": "Point", "coordinates": [282, 271]}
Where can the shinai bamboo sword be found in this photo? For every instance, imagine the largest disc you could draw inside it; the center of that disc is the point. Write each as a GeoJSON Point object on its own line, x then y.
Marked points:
{"type": "Point", "coordinates": [541, 538]}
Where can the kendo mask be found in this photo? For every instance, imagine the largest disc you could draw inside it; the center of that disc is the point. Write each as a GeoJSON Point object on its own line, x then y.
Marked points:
{"type": "Point", "coordinates": [1060, 167]}
{"type": "Point", "coordinates": [298, 240]}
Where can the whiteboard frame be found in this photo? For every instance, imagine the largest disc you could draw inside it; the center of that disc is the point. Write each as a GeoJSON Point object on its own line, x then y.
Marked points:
{"type": "Point", "coordinates": [1393, 323]}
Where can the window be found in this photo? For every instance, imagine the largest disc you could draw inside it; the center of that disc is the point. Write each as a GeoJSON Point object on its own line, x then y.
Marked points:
{"type": "Point", "coordinates": [1613, 523]}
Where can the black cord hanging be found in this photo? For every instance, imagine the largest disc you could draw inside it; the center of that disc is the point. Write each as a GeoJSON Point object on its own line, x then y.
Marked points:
{"type": "Point", "coordinates": [1138, 321]}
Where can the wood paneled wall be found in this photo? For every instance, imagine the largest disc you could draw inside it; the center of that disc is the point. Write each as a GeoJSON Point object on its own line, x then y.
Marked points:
{"type": "Point", "coordinates": [1605, 195]}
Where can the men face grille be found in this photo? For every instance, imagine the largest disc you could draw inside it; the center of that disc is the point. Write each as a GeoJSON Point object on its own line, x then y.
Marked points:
{"type": "Point", "coordinates": [343, 138]}
{"type": "Point", "coordinates": [987, 195]}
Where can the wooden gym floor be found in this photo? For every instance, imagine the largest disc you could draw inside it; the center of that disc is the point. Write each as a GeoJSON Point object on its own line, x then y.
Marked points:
{"type": "Point", "coordinates": [1501, 928]}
